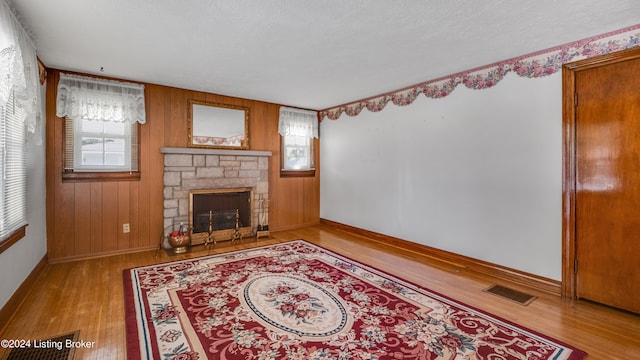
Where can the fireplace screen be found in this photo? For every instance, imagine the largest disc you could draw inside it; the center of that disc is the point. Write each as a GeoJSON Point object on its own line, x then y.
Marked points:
{"type": "Point", "coordinates": [219, 213]}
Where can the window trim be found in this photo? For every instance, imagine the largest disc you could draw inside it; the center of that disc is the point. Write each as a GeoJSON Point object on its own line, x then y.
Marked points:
{"type": "Point", "coordinates": [100, 176]}
{"type": "Point", "coordinates": [13, 238]}
{"type": "Point", "coordinates": [297, 173]}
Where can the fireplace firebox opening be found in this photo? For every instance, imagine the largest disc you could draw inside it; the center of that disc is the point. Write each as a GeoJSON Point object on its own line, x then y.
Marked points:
{"type": "Point", "coordinates": [220, 214]}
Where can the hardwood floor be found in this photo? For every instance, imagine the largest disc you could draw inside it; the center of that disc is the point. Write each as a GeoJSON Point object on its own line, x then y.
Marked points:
{"type": "Point", "coordinates": [88, 295]}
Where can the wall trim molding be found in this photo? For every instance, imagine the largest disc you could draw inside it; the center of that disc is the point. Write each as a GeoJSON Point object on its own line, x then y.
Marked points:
{"type": "Point", "coordinates": [293, 227]}
{"type": "Point", "coordinates": [495, 271]}
{"type": "Point", "coordinates": [18, 297]}
{"type": "Point", "coordinates": [103, 254]}
{"type": "Point", "coordinates": [533, 65]}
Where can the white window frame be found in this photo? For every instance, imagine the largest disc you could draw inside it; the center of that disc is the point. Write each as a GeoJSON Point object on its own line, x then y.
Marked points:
{"type": "Point", "coordinates": [73, 140]}
{"type": "Point", "coordinates": [292, 142]}
{"type": "Point", "coordinates": [78, 134]}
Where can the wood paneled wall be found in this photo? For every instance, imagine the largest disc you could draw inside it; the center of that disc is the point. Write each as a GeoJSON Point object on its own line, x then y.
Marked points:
{"type": "Point", "coordinates": [84, 219]}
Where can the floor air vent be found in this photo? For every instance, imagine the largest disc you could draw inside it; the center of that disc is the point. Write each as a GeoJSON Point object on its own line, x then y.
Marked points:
{"type": "Point", "coordinates": [510, 294]}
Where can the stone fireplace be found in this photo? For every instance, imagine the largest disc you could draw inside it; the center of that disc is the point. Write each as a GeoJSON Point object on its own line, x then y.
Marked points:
{"type": "Point", "coordinates": [207, 172]}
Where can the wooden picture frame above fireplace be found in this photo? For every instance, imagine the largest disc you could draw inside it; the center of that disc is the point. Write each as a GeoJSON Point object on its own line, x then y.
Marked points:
{"type": "Point", "coordinates": [217, 126]}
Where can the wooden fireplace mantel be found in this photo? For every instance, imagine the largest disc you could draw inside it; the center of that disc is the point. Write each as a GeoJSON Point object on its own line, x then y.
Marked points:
{"type": "Point", "coordinates": [199, 151]}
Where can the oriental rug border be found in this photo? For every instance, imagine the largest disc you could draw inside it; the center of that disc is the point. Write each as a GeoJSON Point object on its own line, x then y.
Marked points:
{"type": "Point", "coordinates": [300, 301]}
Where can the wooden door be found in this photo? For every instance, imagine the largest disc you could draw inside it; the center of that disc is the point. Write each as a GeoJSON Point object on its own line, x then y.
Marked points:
{"type": "Point", "coordinates": [607, 184]}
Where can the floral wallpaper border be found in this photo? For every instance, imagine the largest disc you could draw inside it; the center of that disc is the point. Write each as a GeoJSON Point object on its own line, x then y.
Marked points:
{"type": "Point", "coordinates": [534, 65]}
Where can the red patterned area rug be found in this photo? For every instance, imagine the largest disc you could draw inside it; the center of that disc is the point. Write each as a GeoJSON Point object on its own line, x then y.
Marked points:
{"type": "Point", "coordinates": [299, 301]}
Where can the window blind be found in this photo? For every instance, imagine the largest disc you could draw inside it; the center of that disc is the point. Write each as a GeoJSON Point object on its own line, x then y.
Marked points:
{"type": "Point", "coordinates": [12, 161]}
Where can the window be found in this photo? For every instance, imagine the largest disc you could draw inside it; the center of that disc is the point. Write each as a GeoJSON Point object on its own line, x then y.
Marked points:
{"type": "Point", "coordinates": [298, 129]}
{"type": "Point", "coordinates": [13, 164]}
{"type": "Point", "coordinates": [19, 117]}
{"type": "Point", "coordinates": [100, 146]}
{"type": "Point", "coordinates": [298, 153]}
{"type": "Point", "coordinates": [101, 127]}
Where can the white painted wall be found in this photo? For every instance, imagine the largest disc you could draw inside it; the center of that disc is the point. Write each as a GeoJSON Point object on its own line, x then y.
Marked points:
{"type": "Point", "coordinates": [17, 262]}
{"type": "Point", "coordinates": [477, 173]}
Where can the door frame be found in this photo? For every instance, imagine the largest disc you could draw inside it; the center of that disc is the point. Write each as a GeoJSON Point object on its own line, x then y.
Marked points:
{"type": "Point", "coordinates": [569, 100]}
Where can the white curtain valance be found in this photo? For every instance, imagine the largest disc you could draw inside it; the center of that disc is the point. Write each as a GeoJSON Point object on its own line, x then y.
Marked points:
{"type": "Point", "coordinates": [87, 98]}
{"type": "Point", "coordinates": [298, 122]}
{"type": "Point", "coordinates": [18, 69]}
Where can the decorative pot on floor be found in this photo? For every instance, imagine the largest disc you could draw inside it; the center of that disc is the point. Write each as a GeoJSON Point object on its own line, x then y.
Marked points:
{"type": "Point", "coordinates": [180, 239]}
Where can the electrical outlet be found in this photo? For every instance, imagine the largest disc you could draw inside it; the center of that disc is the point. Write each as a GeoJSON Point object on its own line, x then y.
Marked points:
{"type": "Point", "coordinates": [125, 228]}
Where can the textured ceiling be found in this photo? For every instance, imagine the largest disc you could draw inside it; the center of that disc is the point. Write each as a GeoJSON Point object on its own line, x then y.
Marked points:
{"type": "Point", "coordinates": [311, 54]}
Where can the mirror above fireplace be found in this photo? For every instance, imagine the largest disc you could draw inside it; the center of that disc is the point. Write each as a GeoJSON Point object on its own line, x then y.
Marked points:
{"type": "Point", "coordinates": [217, 126]}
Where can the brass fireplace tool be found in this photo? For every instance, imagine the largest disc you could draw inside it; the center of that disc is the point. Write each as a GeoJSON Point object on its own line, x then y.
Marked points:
{"type": "Point", "coordinates": [263, 228]}
{"type": "Point", "coordinates": [236, 233]}
{"type": "Point", "coordinates": [210, 238]}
